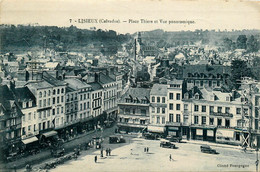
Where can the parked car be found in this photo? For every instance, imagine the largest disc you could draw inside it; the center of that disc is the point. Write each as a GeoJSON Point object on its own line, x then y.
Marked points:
{"type": "Point", "coordinates": [174, 139]}
{"type": "Point", "coordinates": [208, 149]}
{"type": "Point", "coordinates": [114, 139]}
{"type": "Point", "coordinates": [167, 144]}
{"type": "Point", "coordinates": [150, 136]}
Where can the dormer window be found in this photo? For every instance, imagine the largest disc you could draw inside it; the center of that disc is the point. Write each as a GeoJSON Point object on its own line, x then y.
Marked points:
{"type": "Point", "coordinates": [227, 98]}
{"type": "Point", "coordinates": [186, 95]}
{"type": "Point", "coordinates": [197, 96]}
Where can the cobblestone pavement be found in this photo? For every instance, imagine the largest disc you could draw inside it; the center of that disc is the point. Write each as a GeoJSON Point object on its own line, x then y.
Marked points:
{"type": "Point", "coordinates": [45, 155]}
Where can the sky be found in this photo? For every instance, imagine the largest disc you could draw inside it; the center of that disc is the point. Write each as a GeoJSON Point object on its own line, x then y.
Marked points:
{"type": "Point", "coordinates": [196, 14]}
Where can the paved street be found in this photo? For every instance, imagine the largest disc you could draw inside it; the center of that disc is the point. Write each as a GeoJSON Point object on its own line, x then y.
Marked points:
{"type": "Point", "coordinates": [45, 155]}
{"type": "Point", "coordinates": [130, 156]}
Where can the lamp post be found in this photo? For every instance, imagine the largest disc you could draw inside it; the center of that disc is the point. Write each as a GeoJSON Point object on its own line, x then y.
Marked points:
{"type": "Point", "coordinates": [257, 161]}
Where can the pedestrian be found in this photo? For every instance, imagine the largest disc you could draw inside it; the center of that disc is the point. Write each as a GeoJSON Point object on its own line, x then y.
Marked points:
{"type": "Point", "coordinates": [144, 149]}
{"type": "Point", "coordinates": [147, 149]}
{"type": "Point", "coordinates": [101, 152]}
{"type": "Point", "coordinates": [96, 159]}
{"type": "Point", "coordinates": [106, 151]}
{"type": "Point", "coordinates": [110, 152]}
{"type": "Point", "coordinates": [170, 157]}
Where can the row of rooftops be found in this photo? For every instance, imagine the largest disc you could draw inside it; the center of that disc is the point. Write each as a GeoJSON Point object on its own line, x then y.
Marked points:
{"type": "Point", "coordinates": [200, 94]}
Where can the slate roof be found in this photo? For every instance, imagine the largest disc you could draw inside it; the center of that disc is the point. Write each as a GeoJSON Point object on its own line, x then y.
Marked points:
{"type": "Point", "coordinates": [24, 93]}
{"type": "Point", "coordinates": [95, 86]}
{"type": "Point", "coordinates": [159, 89]}
{"type": "Point", "coordinates": [206, 69]}
{"type": "Point", "coordinates": [104, 79]}
{"type": "Point", "coordinates": [76, 83]}
{"type": "Point", "coordinates": [139, 93]}
{"type": "Point", "coordinates": [53, 81]}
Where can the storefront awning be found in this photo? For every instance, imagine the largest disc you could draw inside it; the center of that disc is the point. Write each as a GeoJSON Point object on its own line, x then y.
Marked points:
{"type": "Point", "coordinates": [157, 129]}
{"type": "Point", "coordinates": [51, 133]}
{"type": "Point", "coordinates": [30, 140]}
{"type": "Point", "coordinates": [225, 133]}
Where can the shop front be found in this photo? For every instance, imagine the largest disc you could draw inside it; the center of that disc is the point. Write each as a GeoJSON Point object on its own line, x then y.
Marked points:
{"type": "Point", "coordinates": [205, 134]}
{"type": "Point", "coordinates": [158, 130]}
{"type": "Point", "coordinates": [174, 131]}
{"type": "Point", "coordinates": [227, 136]}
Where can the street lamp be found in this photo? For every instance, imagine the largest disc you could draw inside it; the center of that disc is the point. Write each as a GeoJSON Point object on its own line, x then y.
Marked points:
{"type": "Point", "coordinates": [257, 161]}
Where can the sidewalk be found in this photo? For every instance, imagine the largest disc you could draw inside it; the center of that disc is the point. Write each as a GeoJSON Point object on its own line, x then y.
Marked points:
{"type": "Point", "coordinates": [46, 154]}
{"type": "Point", "coordinates": [199, 142]}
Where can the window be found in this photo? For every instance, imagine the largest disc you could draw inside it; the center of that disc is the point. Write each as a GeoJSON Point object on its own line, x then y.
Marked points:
{"type": "Point", "coordinates": [178, 106]}
{"type": "Point", "coordinates": [237, 136]}
{"type": "Point", "coordinates": [62, 99]}
{"type": "Point", "coordinates": [127, 110]}
{"type": "Point", "coordinates": [40, 126]}
{"type": "Point", "coordinates": [133, 111]}
{"type": "Point", "coordinates": [158, 120]}
{"type": "Point", "coordinates": [48, 124]}
{"type": "Point", "coordinates": [153, 99]}
{"type": "Point", "coordinates": [163, 100]}
{"type": "Point", "coordinates": [49, 92]}
{"type": "Point", "coordinates": [219, 121]}
{"type": "Point", "coordinates": [163, 110]}
{"type": "Point", "coordinates": [163, 120]}
{"type": "Point", "coordinates": [53, 100]}
{"type": "Point", "coordinates": [40, 94]}
{"type": "Point", "coordinates": [219, 109]}
{"type": "Point", "coordinates": [171, 106]}
{"type": "Point", "coordinates": [196, 108]}
{"type": "Point", "coordinates": [227, 98]}
{"type": "Point", "coordinates": [178, 96]}
{"type": "Point", "coordinates": [29, 128]}
{"type": "Point", "coordinates": [238, 110]}
{"type": "Point", "coordinates": [62, 90]}
{"type": "Point", "coordinates": [158, 99]}
{"type": "Point", "coordinates": [54, 92]}
{"type": "Point", "coordinates": [58, 110]}
{"type": "Point", "coordinates": [53, 111]}
{"type": "Point", "coordinates": [34, 127]}
{"type": "Point", "coordinates": [227, 109]}
{"type": "Point", "coordinates": [211, 121]}
{"type": "Point", "coordinates": [40, 103]}
{"type": "Point", "coordinates": [203, 120]}
{"type": "Point", "coordinates": [171, 96]}
{"type": "Point", "coordinates": [178, 118]}
{"type": "Point", "coordinates": [203, 108]}
{"type": "Point", "coordinates": [196, 119]}
{"type": "Point", "coordinates": [40, 115]}
{"type": "Point", "coordinates": [211, 109]}
{"type": "Point", "coordinates": [171, 117]}
{"type": "Point", "coordinates": [153, 109]}
{"type": "Point", "coordinates": [227, 123]}
{"type": "Point", "coordinates": [143, 111]}
{"type": "Point", "coordinates": [185, 106]}
{"type": "Point", "coordinates": [29, 116]}
{"type": "Point", "coordinates": [158, 110]}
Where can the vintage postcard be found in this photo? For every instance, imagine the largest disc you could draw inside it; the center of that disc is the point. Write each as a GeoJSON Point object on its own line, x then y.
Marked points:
{"type": "Point", "coordinates": [127, 85]}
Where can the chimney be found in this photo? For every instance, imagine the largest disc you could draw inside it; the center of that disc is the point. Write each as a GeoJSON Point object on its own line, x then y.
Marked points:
{"type": "Point", "coordinates": [233, 94]}
{"type": "Point", "coordinates": [97, 77]}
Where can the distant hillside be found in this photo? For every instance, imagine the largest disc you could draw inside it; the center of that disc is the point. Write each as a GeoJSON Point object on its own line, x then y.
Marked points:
{"type": "Point", "coordinates": [163, 38]}
{"type": "Point", "coordinates": [25, 38]}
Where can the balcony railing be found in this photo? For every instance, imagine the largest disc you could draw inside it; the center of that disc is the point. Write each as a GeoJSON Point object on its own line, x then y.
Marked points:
{"type": "Point", "coordinates": [221, 114]}
{"type": "Point", "coordinates": [174, 123]}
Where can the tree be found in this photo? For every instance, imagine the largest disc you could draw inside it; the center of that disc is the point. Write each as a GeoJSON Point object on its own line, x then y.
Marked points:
{"type": "Point", "coordinates": [239, 69]}
{"type": "Point", "coordinates": [252, 44]}
{"type": "Point", "coordinates": [241, 42]}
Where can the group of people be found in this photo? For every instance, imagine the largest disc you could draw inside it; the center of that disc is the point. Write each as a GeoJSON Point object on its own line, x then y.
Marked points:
{"type": "Point", "coordinates": [146, 149]}
{"type": "Point", "coordinates": [108, 153]}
